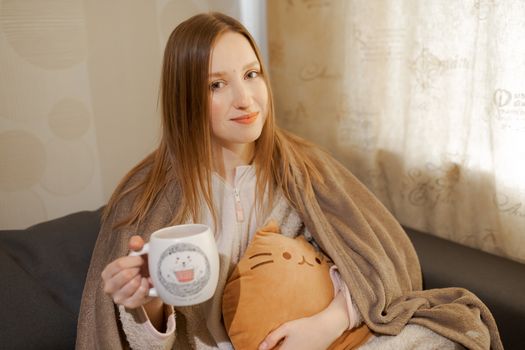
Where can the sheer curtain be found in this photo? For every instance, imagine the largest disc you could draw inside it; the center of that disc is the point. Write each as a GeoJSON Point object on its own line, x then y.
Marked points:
{"type": "Point", "coordinates": [423, 100]}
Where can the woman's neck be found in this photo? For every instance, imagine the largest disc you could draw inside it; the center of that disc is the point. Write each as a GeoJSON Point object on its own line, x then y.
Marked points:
{"type": "Point", "coordinates": [226, 159]}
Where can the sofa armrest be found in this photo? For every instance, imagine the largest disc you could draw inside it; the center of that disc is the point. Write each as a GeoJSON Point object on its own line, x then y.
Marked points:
{"type": "Point", "coordinates": [43, 269]}
{"type": "Point", "coordinates": [498, 282]}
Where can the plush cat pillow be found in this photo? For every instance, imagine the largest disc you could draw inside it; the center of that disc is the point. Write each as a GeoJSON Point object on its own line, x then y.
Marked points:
{"type": "Point", "coordinates": [279, 279]}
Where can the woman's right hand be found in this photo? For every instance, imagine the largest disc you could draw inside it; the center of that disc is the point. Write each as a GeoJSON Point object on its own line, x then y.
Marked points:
{"type": "Point", "coordinates": [126, 279]}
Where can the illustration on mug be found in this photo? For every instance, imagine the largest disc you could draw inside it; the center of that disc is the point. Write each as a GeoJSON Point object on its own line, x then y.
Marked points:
{"type": "Point", "coordinates": [183, 269]}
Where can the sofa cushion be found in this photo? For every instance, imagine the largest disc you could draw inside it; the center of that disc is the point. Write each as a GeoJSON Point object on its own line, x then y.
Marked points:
{"type": "Point", "coordinates": [43, 269]}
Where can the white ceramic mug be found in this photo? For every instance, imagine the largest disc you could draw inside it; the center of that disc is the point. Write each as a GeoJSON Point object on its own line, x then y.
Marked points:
{"type": "Point", "coordinates": [183, 263]}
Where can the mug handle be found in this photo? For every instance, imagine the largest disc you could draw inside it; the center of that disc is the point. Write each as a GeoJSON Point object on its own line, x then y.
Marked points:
{"type": "Point", "coordinates": [145, 250]}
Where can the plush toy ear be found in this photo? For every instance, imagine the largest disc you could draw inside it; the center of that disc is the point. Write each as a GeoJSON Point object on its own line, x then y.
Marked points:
{"type": "Point", "coordinates": [271, 226]}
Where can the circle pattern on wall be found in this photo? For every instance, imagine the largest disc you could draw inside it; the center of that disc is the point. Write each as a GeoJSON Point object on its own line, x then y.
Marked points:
{"type": "Point", "coordinates": [71, 167]}
{"type": "Point", "coordinates": [69, 119]}
{"type": "Point", "coordinates": [49, 34]}
{"type": "Point", "coordinates": [22, 160]}
{"type": "Point", "coordinates": [20, 209]}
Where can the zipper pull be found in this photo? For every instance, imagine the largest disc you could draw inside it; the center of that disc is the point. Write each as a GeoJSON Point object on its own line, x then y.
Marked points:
{"type": "Point", "coordinates": [238, 207]}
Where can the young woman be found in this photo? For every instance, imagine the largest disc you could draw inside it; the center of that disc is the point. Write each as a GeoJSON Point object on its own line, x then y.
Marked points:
{"type": "Point", "coordinates": [223, 161]}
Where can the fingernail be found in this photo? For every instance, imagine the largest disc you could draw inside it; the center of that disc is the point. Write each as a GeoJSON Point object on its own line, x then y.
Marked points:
{"type": "Point", "coordinates": [263, 346]}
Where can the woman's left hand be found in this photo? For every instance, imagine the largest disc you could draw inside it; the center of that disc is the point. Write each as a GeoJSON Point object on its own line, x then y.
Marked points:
{"type": "Point", "coordinates": [304, 333]}
{"type": "Point", "coordinates": [316, 332]}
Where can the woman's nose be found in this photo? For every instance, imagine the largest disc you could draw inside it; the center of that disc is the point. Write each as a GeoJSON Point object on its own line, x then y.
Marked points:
{"type": "Point", "coordinates": [242, 97]}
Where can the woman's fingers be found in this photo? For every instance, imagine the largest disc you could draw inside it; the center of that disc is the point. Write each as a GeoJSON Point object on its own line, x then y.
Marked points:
{"type": "Point", "coordinates": [140, 297]}
{"type": "Point", "coordinates": [121, 264]}
{"type": "Point", "coordinates": [274, 337]}
{"type": "Point", "coordinates": [120, 280]}
{"type": "Point", "coordinates": [126, 291]}
{"type": "Point", "coordinates": [125, 279]}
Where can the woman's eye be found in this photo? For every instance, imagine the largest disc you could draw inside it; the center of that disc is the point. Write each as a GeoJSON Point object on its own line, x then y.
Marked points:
{"type": "Point", "coordinates": [216, 85]}
{"type": "Point", "coordinates": [252, 74]}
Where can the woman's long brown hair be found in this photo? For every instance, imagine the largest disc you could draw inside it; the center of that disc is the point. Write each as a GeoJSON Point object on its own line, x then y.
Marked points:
{"type": "Point", "coordinates": [185, 147]}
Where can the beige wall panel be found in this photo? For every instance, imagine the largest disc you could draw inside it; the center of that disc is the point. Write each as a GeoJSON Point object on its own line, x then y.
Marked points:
{"type": "Point", "coordinates": [123, 67]}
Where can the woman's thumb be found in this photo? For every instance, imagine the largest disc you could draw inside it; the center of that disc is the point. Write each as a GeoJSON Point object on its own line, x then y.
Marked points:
{"type": "Point", "coordinates": [135, 243]}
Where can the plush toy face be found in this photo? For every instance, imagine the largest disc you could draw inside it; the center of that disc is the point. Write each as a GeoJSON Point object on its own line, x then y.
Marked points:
{"type": "Point", "coordinates": [279, 279]}
{"type": "Point", "coordinates": [279, 254]}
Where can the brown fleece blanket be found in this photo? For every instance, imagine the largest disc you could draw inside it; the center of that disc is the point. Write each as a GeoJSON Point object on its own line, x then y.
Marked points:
{"type": "Point", "coordinates": [380, 266]}
{"type": "Point", "coordinates": [371, 250]}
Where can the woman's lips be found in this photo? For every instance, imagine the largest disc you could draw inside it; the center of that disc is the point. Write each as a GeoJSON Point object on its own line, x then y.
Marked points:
{"type": "Point", "coordinates": [246, 119]}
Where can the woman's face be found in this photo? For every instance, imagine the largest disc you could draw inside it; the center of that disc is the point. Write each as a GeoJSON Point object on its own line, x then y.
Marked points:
{"type": "Point", "coordinates": [239, 97]}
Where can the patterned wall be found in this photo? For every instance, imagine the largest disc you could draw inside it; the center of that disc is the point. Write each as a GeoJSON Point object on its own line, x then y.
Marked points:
{"type": "Point", "coordinates": [78, 98]}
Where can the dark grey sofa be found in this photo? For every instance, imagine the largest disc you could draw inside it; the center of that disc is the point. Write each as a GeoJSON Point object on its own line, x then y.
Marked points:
{"type": "Point", "coordinates": [43, 268]}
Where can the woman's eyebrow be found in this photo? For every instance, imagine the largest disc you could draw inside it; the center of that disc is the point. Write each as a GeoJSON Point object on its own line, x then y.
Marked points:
{"type": "Point", "coordinates": [249, 65]}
